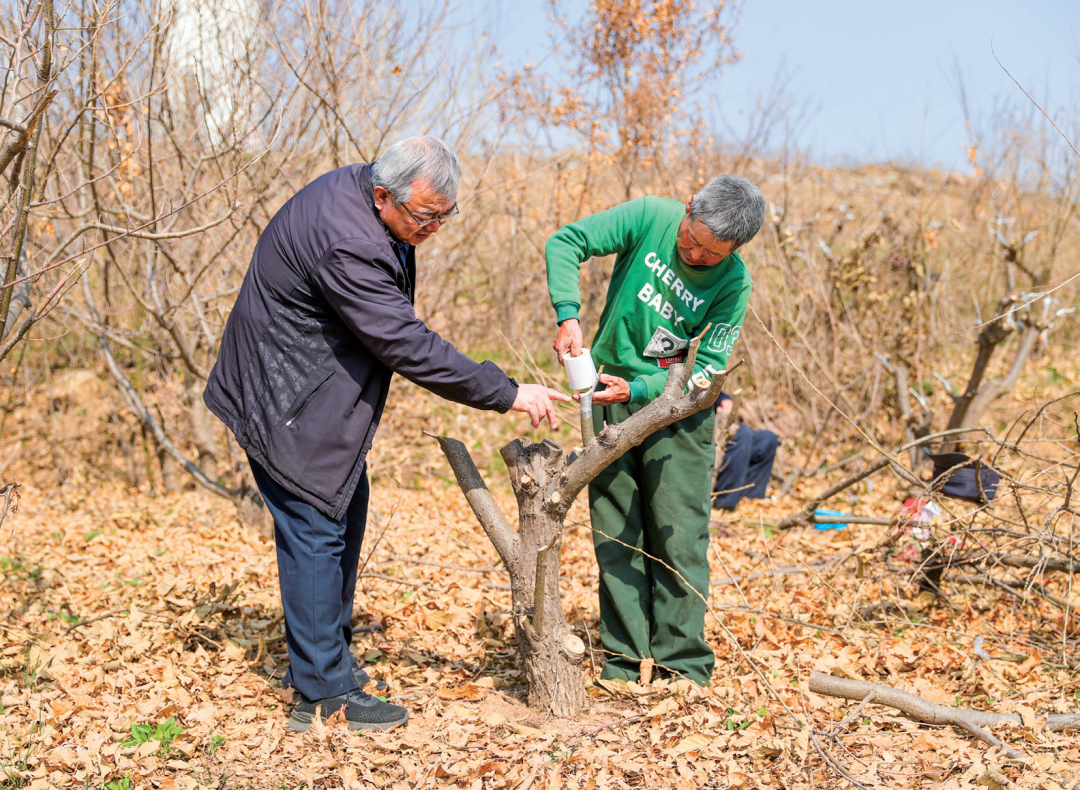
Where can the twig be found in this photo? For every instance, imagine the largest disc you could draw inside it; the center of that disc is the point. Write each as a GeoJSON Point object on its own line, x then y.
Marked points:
{"type": "Point", "coordinates": [784, 618]}
{"type": "Point", "coordinates": [386, 578]}
{"type": "Point", "coordinates": [107, 615]}
{"type": "Point", "coordinates": [854, 714]}
{"type": "Point", "coordinates": [1042, 563]}
{"type": "Point", "coordinates": [416, 561]}
{"type": "Point", "coordinates": [1012, 586]}
{"type": "Point", "coordinates": [838, 465]}
{"type": "Point", "coordinates": [9, 491]}
{"type": "Point", "coordinates": [588, 636]}
{"type": "Point", "coordinates": [382, 532]}
{"type": "Point", "coordinates": [206, 639]}
{"type": "Point", "coordinates": [571, 743]}
{"type": "Point", "coordinates": [790, 521]}
{"type": "Point", "coordinates": [834, 763]}
{"type": "Point", "coordinates": [1040, 109]}
{"type": "Point", "coordinates": [775, 572]}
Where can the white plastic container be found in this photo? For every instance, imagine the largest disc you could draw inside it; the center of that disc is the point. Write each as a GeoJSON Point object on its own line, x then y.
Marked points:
{"type": "Point", "coordinates": [580, 370]}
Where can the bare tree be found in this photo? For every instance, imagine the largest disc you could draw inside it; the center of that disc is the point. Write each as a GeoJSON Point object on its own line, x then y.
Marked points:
{"type": "Point", "coordinates": [180, 130]}
{"type": "Point", "coordinates": [22, 109]}
{"type": "Point", "coordinates": [545, 486]}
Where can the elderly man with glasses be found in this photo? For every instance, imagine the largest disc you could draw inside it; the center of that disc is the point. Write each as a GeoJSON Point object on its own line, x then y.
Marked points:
{"type": "Point", "coordinates": [676, 273]}
{"type": "Point", "coordinates": [324, 318]}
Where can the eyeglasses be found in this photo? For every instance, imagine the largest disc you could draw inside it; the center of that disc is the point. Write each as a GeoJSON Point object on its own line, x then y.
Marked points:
{"type": "Point", "coordinates": [422, 222]}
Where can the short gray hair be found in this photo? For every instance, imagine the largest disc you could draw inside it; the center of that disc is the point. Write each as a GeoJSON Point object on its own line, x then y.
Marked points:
{"type": "Point", "coordinates": [731, 208]}
{"type": "Point", "coordinates": [426, 158]}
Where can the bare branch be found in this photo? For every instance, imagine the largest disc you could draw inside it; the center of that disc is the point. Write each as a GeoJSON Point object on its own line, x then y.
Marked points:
{"type": "Point", "coordinates": [139, 409]}
{"type": "Point", "coordinates": [973, 721]}
{"type": "Point", "coordinates": [672, 405]}
{"type": "Point", "coordinates": [804, 515]}
{"type": "Point", "coordinates": [481, 501]}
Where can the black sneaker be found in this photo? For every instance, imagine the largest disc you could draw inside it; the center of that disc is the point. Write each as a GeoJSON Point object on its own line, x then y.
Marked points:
{"type": "Point", "coordinates": [363, 678]}
{"type": "Point", "coordinates": [362, 712]}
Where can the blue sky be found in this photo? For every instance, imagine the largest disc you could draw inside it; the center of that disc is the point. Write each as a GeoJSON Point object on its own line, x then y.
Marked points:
{"type": "Point", "coordinates": [879, 79]}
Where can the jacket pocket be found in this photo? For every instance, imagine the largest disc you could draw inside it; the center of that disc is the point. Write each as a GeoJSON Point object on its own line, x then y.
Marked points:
{"type": "Point", "coordinates": [302, 403]}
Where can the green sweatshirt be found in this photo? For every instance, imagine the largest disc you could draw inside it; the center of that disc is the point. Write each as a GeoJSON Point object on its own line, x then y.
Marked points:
{"type": "Point", "coordinates": [655, 303]}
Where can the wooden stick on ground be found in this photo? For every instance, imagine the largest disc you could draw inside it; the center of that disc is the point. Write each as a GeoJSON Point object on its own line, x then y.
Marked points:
{"type": "Point", "coordinates": [973, 721]}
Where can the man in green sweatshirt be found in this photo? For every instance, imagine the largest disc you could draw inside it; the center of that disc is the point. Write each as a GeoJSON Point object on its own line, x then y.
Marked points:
{"type": "Point", "coordinates": [676, 271]}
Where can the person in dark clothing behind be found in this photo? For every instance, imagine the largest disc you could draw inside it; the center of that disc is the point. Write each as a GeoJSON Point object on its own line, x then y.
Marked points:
{"type": "Point", "coordinates": [323, 320]}
{"type": "Point", "coordinates": [748, 462]}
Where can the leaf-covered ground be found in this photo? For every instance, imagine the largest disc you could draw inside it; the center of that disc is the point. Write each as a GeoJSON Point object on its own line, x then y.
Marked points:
{"type": "Point", "coordinates": [141, 645]}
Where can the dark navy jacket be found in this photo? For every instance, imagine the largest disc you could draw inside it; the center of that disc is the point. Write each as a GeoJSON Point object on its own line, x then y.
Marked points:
{"type": "Point", "coordinates": [323, 319]}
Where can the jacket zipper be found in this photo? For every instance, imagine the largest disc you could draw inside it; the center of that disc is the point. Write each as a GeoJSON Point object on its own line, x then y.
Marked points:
{"type": "Point", "coordinates": [303, 404]}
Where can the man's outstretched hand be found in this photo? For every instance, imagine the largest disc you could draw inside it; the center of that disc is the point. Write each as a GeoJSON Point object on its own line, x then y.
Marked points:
{"type": "Point", "coordinates": [536, 401]}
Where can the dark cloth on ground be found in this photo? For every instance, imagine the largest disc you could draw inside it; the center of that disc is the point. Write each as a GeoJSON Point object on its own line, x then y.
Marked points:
{"type": "Point", "coordinates": [748, 462]}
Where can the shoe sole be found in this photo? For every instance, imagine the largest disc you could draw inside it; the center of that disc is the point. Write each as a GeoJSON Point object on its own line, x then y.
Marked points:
{"type": "Point", "coordinates": [301, 722]}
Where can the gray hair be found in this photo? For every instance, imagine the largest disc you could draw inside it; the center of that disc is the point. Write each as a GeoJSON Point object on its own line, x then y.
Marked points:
{"type": "Point", "coordinates": [731, 208]}
{"type": "Point", "coordinates": [426, 158]}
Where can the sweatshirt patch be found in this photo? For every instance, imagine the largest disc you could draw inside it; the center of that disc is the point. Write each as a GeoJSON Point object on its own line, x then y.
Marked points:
{"type": "Point", "coordinates": [722, 338]}
{"type": "Point", "coordinates": [664, 344]}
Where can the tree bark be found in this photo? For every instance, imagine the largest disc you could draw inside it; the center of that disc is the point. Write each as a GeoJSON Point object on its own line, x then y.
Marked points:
{"type": "Point", "coordinates": [26, 143]}
{"type": "Point", "coordinates": [170, 474]}
{"type": "Point", "coordinates": [253, 512]}
{"type": "Point", "coordinates": [970, 406]}
{"type": "Point", "coordinates": [721, 434]}
{"type": "Point", "coordinates": [550, 653]}
{"type": "Point", "coordinates": [202, 430]}
{"type": "Point", "coordinates": [994, 389]}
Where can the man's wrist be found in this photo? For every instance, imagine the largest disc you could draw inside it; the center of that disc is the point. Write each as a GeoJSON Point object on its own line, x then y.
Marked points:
{"type": "Point", "coordinates": [564, 311]}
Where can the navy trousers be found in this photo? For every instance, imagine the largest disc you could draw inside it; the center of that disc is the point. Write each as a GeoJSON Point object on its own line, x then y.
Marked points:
{"type": "Point", "coordinates": [748, 462]}
{"type": "Point", "coordinates": [317, 566]}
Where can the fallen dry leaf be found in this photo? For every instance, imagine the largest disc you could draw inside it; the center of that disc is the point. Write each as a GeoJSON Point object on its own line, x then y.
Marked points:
{"type": "Point", "coordinates": [467, 692]}
{"type": "Point", "coordinates": [691, 743]}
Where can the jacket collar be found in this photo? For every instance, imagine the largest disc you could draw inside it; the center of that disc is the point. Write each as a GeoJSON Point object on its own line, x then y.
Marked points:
{"type": "Point", "coordinates": [367, 189]}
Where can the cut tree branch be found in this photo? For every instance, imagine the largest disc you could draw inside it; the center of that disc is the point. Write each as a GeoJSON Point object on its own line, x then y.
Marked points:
{"type": "Point", "coordinates": [483, 504]}
{"type": "Point", "coordinates": [972, 721]}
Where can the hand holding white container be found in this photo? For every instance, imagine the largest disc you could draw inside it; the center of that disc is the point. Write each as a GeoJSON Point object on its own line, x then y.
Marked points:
{"type": "Point", "coordinates": [580, 370]}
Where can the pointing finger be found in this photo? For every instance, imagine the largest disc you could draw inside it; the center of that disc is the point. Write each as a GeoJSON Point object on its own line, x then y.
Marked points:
{"type": "Point", "coordinates": [551, 413]}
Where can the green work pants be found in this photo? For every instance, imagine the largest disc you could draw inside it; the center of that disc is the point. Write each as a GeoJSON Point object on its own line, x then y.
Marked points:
{"type": "Point", "coordinates": [650, 521]}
